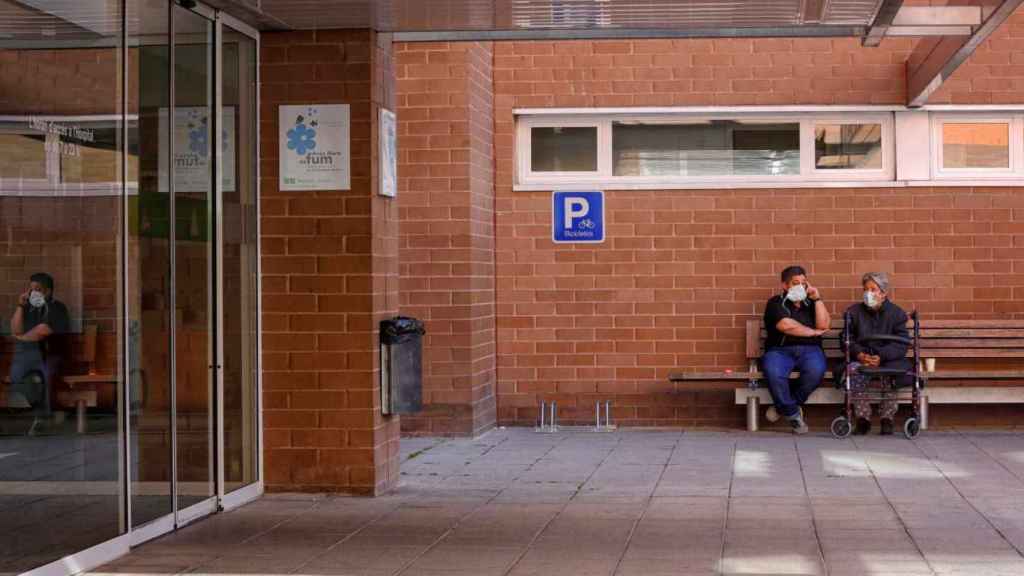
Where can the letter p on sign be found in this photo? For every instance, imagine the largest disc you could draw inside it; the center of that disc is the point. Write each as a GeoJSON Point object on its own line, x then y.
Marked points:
{"type": "Point", "coordinates": [577, 217]}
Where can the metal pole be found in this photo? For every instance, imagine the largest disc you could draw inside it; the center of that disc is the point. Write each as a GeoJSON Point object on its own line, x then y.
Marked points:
{"type": "Point", "coordinates": [608, 413]}
{"type": "Point", "coordinates": [554, 416]}
{"type": "Point", "coordinates": [597, 413]}
{"type": "Point", "coordinates": [924, 412]}
{"type": "Point", "coordinates": [541, 415]}
{"type": "Point", "coordinates": [753, 406]}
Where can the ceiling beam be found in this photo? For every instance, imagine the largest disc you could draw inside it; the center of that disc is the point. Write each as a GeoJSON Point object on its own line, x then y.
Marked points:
{"type": "Point", "coordinates": [936, 61]}
{"type": "Point", "coordinates": [884, 18]}
{"type": "Point", "coordinates": [627, 33]}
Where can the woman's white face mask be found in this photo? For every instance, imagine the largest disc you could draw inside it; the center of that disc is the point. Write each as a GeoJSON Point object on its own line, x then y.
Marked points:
{"type": "Point", "coordinates": [797, 293]}
{"type": "Point", "coordinates": [872, 299]}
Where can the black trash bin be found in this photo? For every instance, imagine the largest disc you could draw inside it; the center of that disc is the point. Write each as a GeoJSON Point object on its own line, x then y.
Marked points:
{"type": "Point", "coordinates": [401, 363]}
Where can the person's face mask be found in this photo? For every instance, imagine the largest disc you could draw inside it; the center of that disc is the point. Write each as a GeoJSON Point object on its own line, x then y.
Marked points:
{"type": "Point", "coordinates": [872, 299]}
{"type": "Point", "coordinates": [797, 293]}
{"type": "Point", "coordinates": [36, 299]}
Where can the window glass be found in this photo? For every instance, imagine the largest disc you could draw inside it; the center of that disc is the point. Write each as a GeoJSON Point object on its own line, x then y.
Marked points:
{"type": "Point", "coordinates": [848, 146]}
{"type": "Point", "coordinates": [564, 149]}
{"type": "Point", "coordinates": [710, 148]}
{"type": "Point", "coordinates": [975, 145]}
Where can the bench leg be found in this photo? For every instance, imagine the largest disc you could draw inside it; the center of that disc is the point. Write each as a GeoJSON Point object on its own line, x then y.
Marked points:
{"type": "Point", "coordinates": [753, 409]}
{"type": "Point", "coordinates": [924, 412]}
{"type": "Point", "coordinates": [80, 416]}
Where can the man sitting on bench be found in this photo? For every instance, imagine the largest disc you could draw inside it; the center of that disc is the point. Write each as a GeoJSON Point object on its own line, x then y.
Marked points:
{"type": "Point", "coordinates": [877, 316]}
{"type": "Point", "coordinates": [794, 321]}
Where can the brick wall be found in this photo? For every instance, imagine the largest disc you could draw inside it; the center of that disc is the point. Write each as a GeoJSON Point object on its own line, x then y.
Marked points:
{"type": "Point", "coordinates": [447, 213]}
{"type": "Point", "coordinates": [330, 274]}
{"type": "Point", "coordinates": [684, 269]}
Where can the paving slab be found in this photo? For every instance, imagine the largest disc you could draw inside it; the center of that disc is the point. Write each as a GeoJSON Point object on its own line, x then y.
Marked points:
{"type": "Point", "coordinates": [636, 502]}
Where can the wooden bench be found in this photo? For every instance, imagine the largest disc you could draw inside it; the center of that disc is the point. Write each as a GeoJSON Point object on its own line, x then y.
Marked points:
{"type": "Point", "coordinates": [985, 341]}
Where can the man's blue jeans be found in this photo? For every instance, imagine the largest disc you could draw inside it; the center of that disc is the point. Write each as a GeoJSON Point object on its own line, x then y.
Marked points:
{"type": "Point", "coordinates": [779, 362]}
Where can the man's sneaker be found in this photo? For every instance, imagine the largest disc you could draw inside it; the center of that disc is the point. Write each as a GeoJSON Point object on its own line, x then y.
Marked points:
{"type": "Point", "coordinates": [772, 415]}
{"type": "Point", "coordinates": [863, 427]}
{"type": "Point", "coordinates": [798, 425]}
{"type": "Point", "coordinates": [886, 427]}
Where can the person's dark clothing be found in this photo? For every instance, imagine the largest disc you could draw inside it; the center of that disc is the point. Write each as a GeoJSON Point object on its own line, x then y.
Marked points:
{"type": "Point", "coordinates": [55, 315]}
{"type": "Point", "coordinates": [889, 320]}
{"type": "Point", "coordinates": [35, 364]}
{"type": "Point", "coordinates": [784, 353]}
{"type": "Point", "coordinates": [779, 308]}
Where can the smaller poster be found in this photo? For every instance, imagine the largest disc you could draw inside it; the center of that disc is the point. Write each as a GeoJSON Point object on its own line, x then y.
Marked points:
{"type": "Point", "coordinates": [192, 144]}
{"type": "Point", "coordinates": [314, 151]}
{"type": "Point", "coordinates": [388, 154]}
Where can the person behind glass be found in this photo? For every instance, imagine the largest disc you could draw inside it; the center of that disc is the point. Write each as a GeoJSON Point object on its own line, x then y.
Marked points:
{"type": "Point", "coordinates": [876, 315]}
{"type": "Point", "coordinates": [794, 321]}
{"type": "Point", "coordinates": [38, 325]}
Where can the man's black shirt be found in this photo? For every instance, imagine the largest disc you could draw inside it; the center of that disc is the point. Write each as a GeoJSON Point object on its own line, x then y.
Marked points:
{"type": "Point", "coordinates": [779, 308]}
{"type": "Point", "coordinates": [55, 315]}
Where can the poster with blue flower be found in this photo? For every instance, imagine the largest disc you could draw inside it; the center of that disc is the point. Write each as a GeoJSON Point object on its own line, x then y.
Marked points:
{"type": "Point", "coordinates": [313, 151]}
{"type": "Point", "coordinates": [193, 145]}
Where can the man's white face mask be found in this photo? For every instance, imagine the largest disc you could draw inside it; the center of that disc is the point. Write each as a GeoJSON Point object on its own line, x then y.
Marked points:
{"type": "Point", "coordinates": [797, 293]}
{"type": "Point", "coordinates": [36, 299]}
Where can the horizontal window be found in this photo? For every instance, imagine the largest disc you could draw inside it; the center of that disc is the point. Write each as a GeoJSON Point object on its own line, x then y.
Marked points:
{"type": "Point", "coordinates": [676, 150]}
{"type": "Point", "coordinates": [714, 148]}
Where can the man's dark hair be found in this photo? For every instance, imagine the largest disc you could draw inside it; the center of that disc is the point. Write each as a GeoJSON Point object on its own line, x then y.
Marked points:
{"type": "Point", "coordinates": [788, 273]}
{"type": "Point", "coordinates": [42, 278]}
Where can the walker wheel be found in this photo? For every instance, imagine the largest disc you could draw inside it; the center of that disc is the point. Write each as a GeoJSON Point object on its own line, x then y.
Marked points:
{"type": "Point", "coordinates": [841, 427]}
{"type": "Point", "coordinates": [911, 428]}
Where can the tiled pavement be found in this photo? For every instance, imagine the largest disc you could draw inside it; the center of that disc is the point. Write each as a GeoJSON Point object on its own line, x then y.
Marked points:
{"type": "Point", "coordinates": [641, 503]}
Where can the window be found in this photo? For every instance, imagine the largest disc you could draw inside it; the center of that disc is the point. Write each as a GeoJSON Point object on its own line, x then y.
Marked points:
{"type": "Point", "coordinates": [564, 149]}
{"type": "Point", "coordinates": [679, 150]}
{"type": "Point", "coordinates": [977, 146]}
{"type": "Point", "coordinates": [714, 148]}
{"type": "Point", "coordinates": [848, 146]}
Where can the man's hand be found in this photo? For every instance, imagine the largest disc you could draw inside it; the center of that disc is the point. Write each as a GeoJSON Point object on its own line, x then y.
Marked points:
{"type": "Point", "coordinates": [23, 299]}
{"type": "Point", "coordinates": [812, 292]}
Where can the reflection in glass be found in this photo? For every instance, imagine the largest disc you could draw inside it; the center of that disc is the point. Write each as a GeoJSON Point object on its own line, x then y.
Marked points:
{"type": "Point", "coordinates": [975, 145]}
{"type": "Point", "coordinates": [848, 146]}
{"type": "Point", "coordinates": [563, 149]}
{"type": "Point", "coordinates": [60, 297]}
{"type": "Point", "coordinates": [238, 248]}
{"type": "Point", "coordinates": [149, 264]}
{"type": "Point", "coordinates": [191, 171]}
{"type": "Point", "coordinates": [713, 148]}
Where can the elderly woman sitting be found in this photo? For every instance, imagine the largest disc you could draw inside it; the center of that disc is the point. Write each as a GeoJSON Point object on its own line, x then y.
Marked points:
{"type": "Point", "coordinates": [876, 315]}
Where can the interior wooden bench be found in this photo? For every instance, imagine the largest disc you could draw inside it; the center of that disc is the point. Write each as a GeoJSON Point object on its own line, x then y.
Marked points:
{"type": "Point", "coordinates": [978, 340]}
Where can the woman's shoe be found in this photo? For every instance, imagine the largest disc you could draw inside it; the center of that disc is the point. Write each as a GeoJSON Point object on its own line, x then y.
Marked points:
{"type": "Point", "coordinates": [863, 427]}
{"type": "Point", "coordinates": [886, 427]}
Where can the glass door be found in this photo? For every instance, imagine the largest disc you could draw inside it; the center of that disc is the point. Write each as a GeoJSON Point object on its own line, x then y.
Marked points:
{"type": "Point", "coordinates": [193, 338]}
{"type": "Point", "coordinates": [171, 254]}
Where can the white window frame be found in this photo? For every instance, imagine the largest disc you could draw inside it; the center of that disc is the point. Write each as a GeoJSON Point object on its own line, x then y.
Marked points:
{"type": "Point", "coordinates": [886, 172]}
{"type": "Point", "coordinates": [525, 135]}
{"type": "Point", "coordinates": [604, 178]}
{"type": "Point", "coordinates": [1015, 125]}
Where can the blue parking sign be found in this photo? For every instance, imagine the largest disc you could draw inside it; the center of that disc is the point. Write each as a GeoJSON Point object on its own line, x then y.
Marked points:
{"type": "Point", "coordinates": [577, 217]}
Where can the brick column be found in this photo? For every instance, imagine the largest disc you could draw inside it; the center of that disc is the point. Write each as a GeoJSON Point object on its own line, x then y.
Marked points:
{"type": "Point", "coordinates": [446, 199]}
{"type": "Point", "coordinates": [330, 274]}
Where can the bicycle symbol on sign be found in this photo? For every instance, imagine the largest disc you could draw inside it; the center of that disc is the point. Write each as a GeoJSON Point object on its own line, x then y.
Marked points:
{"type": "Point", "coordinates": [587, 224]}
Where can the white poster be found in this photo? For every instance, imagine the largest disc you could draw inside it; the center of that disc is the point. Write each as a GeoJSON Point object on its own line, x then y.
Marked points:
{"type": "Point", "coordinates": [314, 147]}
{"type": "Point", "coordinates": [192, 149]}
{"type": "Point", "coordinates": [388, 154]}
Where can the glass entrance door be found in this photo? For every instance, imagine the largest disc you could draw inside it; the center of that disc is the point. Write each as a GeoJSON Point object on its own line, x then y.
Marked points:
{"type": "Point", "coordinates": [172, 275]}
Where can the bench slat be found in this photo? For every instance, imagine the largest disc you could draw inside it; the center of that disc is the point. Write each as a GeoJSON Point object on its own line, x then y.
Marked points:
{"type": "Point", "coordinates": [946, 395]}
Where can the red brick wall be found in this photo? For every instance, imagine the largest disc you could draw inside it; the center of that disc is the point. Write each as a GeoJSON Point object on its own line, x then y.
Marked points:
{"type": "Point", "coordinates": [329, 275]}
{"type": "Point", "coordinates": [994, 74]}
{"type": "Point", "coordinates": [447, 212]}
{"type": "Point", "coordinates": [683, 270]}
